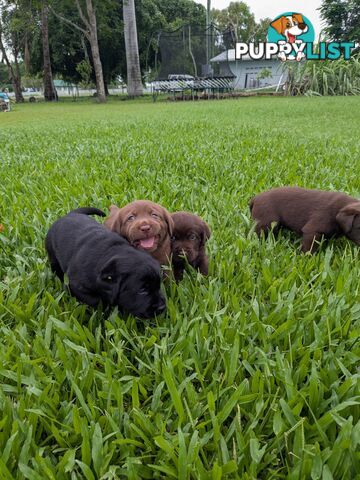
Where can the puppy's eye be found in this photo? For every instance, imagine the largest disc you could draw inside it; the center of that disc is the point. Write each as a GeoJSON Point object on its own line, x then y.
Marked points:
{"type": "Point", "coordinates": [130, 218]}
{"type": "Point", "coordinates": [155, 215]}
{"type": "Point", "coordinates": [143, 291]}
{"type": "Point", "coordinates": [173, 238]}
{"type": "Point", "coordinates": [288, 25]}
{"type": "Point", "coordinates": [108, 278]}
{"type": "Point", "coordinates": [192, 236]}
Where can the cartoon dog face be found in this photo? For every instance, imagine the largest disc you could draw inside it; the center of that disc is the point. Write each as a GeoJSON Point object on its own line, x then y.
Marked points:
{"type": "Point", "coordinates": [290, 26]}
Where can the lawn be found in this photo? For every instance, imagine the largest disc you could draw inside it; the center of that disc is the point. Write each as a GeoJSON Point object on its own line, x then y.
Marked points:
{"type": "Point", "coordinates": [253, 372]}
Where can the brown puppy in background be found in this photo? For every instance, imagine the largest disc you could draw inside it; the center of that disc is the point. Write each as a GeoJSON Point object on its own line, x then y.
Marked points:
{"type": "Point", "coordinates": [311, 213]}
{"type": "Point", "coordinates": [146, 225]}
{"type": "Point", "coordinates": [189, 237]}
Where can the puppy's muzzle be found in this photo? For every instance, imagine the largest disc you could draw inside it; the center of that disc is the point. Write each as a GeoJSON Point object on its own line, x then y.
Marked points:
{"type": "Point", "coordinates": [183, 252]}
{"type": "Point", "coordinates": [180, 250]}
{"type": "Point", "coordinates": [160, 307]}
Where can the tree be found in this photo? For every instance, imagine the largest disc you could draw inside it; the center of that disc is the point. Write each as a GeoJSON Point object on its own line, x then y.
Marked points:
{"type": "Point", "coordinates": [70, 48]}
{"type": "Point", "coordinates": [134, 84]}
{"type": "Point", "coordinates": [66, 43]}
{"type": "Point", "coordinates": [49, 89]}
{"type": "Point", "coordinates": [179, 12]}
{"type": "Point", "coordinates": [155, 15]}
{"type": "Point", "coordinates": [342, 19]}
{"type": "Point", "coordinates": [90, 32]}
{"type": "Point", "coordinates": [10, 40]}
{"type": "Point", "coordinates": [4, 74]}
{"type": "Point", "coordinates": [238, 18]}
{"type": "Point", "coordinates": [111, 40]}
{"type": "Point", "coordinates": [261, 30]}
{"type": "Point", "coordinates": [27, 16]}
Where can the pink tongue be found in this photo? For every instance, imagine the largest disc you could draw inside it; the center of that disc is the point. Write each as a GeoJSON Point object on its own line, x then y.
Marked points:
{"type": "Point", "coordinates": [291, 38]}
{"type": "Point", "coordinates": [147, 242]}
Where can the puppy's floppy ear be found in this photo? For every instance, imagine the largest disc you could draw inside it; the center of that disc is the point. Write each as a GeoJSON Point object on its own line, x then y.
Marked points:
{"type": "Point", "coordinates": [109, 271]}
{"type": "Point", "coordinates": [346, 216]}
{"type": "Point", "coordinates": [110, 275]}
{"type": "Point", "coordinates": [205, 233]}
{"type": "Point", "coordinates": [170, 222]}
{"type": "Point", "coordinates": [298, 17]}
{"type": "Point", "coordinates": [278, 24]}
{"type": "Point", "coordinates": [114, 221]}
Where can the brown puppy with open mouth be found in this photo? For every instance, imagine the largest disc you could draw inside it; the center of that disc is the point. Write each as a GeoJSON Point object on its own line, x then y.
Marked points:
{"type": "Point", "coordinates": [146, 225]}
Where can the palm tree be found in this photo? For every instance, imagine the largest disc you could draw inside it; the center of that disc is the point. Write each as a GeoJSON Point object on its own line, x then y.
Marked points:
{"type": "Point", "coordinates": [134, 84]}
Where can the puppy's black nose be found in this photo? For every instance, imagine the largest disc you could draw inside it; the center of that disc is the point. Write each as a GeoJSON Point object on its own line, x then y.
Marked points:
{"type": "Point", "coordinates": [181, 251]}
{"type": "Point", "coordinates": [302, 26]}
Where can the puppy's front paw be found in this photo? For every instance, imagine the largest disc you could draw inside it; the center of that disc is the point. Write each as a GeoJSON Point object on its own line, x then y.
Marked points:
{"type": "Point", "coordinates": [300, 56]}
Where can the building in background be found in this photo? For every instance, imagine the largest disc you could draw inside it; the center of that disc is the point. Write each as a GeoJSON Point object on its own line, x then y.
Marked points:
{"type": "Point", "coordinates": [251, 73]}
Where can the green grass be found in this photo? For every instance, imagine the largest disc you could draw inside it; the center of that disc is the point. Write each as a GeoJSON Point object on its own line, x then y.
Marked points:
{"type": "Point", "coordinates": [253, 373]}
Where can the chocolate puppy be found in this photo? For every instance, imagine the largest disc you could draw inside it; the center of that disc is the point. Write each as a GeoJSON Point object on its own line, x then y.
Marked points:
{"type": "Point", "coordinates": [311, 213]}
{"type": "Point", "coordinates": [189, 237]}
{"type": "Point", "coordinates": [102, 266]}
{"type": "Point", "coordinates": [146, 225]}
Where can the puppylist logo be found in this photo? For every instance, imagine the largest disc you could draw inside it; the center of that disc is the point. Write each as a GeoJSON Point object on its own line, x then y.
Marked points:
{"type": "Point", "coordinates": [291, 36]}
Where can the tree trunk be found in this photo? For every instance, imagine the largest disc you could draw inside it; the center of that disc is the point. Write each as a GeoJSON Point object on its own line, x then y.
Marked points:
{"type": "Point", "coordinates": [16, 83]}
{"type": "Point", "coordinates": [27, 54]}
{"type": "Point", "coordinates": [14, 75]}
{"type": "Point", "coordinates": [49, 90]}
{"type": "Point", "coordinates": [134, 84]}
{"type": "Point", "coordinates": [90, 32]}
{"type": "Point", "coordinates": [94, 45]}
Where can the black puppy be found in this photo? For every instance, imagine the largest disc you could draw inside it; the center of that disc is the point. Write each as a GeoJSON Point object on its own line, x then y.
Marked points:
{"type": "Point", "coordinates": [102, 266]}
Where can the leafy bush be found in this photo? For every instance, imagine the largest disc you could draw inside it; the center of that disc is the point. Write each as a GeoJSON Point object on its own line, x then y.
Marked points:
{"type": "Point", "coordinates": [325, 77]}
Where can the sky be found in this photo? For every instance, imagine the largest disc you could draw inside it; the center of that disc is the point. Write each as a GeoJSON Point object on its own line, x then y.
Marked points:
{"type": "Point", "coordinates": [273, 8]}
